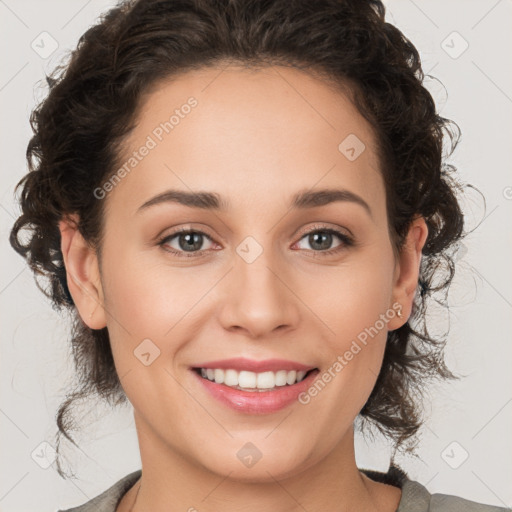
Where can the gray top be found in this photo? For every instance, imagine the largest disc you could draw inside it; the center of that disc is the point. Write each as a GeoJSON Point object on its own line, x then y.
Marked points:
{"type": "Point", "coordinates": [415, 497]}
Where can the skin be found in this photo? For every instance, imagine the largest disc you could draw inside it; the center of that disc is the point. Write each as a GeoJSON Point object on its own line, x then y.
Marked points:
{"type": "Point", "coordinates": [256, 137]}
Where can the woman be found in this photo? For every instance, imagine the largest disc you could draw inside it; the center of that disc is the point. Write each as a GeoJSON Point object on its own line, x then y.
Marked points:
{"type": "Point", "coordinates": [246, 207]}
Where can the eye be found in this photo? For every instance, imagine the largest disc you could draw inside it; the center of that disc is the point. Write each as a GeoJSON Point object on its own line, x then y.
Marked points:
{"type": "Point", "coordinates": [321, 238]}
{"type": "Point", "coordinates": [185, 241]}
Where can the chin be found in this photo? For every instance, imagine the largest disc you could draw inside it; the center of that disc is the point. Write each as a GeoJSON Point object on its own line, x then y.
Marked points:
{"type": "Point", "coordinates": [249, 464]}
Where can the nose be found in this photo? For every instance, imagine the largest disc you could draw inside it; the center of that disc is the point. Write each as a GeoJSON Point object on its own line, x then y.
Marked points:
{"type": "Point", "coordinates": [258, 298]}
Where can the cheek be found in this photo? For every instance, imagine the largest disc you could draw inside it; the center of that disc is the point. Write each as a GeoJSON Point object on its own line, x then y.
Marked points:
{"type": "Point", "coordinates": [146, 298]}
{"type": "Point", "coordinates": [148, 301]}
{"type": "Point", "coordinates": [357, 297]}
{"type": "Point", "coordinates": [358, 310]}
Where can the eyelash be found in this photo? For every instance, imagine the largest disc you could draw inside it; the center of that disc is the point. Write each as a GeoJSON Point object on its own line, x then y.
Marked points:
{"type": "Point", "coordinates": [346, 240]}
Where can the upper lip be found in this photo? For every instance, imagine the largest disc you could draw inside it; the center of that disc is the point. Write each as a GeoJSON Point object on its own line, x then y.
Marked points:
{"type": "Point", "coordinates": [252, 365]}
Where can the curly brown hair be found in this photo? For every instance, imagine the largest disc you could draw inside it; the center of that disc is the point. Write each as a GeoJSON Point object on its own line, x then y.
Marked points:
{"type": "Point", "coordinates": [92, 105]}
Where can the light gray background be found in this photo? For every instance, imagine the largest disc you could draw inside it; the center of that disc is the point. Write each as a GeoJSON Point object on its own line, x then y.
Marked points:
{"type": "Point", "coordinates": [475, 412]}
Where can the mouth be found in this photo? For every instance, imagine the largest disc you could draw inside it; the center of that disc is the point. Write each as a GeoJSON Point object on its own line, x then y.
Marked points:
{"type": "Point", "coordinates": [251, 381]}
{"type": "Point", "coordinates": [254, 387]}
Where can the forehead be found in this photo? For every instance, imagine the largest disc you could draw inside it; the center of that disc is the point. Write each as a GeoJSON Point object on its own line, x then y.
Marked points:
{"type": "Point", "coordinates": [252, 135]}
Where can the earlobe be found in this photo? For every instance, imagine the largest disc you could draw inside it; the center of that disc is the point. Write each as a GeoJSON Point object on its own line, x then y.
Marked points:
{"type": "Point", "coordinates": [406, 279]}
{"type": "Point", "coordinates": [82, 273]}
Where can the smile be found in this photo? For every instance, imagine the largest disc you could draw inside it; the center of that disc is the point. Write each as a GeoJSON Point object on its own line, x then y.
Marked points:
{"type": "Point", "coordinates": [254, 387]}
{"type": "Point", "coordinates": [251, 381]}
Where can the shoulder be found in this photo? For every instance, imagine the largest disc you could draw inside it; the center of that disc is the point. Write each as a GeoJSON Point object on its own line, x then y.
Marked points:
{"type": "Point", "coordinates": [416, 497]}
{"type": "Point", "coordinates": [108, 500]}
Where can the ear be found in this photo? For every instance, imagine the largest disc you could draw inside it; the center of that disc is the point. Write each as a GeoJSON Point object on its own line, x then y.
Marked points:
{"type": "Point", "coordinates": [405, 281]}
{"type": "Point", "coordinates": [82, 273]}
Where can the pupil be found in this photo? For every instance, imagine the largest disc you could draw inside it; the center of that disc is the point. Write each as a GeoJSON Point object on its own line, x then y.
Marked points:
{"type": "Point", "coordinates": [327, 237]}
{"type": "Point", "coordinates": [193, 241]}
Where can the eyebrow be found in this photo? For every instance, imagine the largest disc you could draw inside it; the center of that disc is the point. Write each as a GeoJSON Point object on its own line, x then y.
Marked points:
{"type": "Point", "coordinates": [204, 200]}
{"type": "Point", "coordinates": [213, 201]}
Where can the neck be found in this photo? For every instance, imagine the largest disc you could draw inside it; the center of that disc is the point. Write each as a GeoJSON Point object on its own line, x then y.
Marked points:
{"type": "Point", "coordinates": [171, 482]}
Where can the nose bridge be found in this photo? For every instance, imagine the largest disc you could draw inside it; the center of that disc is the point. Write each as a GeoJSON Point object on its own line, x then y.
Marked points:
{"type": "Point", "coordinates": [259, 301]}
{"type": "Point", "coordinates": [253, 268]}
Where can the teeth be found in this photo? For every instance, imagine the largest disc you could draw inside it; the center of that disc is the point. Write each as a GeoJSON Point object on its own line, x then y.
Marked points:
{"type": "Point", "coordinates": [246, 380]}
{"type": "Point", "coordinates": [291, 378]}
{"type": "Point", "coordinates": [266, 380]}
{"type": "Point", "coordinates": [300, 375]}
{"type": "Point", "coordinates": [251, 380]}
{"type": "Point", "coordinates": [281, 376]}
{"type": "Point", "coordinates": [219, 376]}
{"type": "Point", "coordinates": [230, 378]}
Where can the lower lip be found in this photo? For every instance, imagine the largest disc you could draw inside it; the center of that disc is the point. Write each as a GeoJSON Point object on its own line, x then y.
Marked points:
{"type": "Point", "coordinates": [257, 402]}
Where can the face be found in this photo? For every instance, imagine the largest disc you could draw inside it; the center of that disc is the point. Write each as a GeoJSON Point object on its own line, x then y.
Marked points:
{"type": "Point", "coordinates": [282, 295]}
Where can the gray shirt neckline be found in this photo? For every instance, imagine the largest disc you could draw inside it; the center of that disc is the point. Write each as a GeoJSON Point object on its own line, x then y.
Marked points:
{"type": "Point", "coordinates": [415, 497]}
